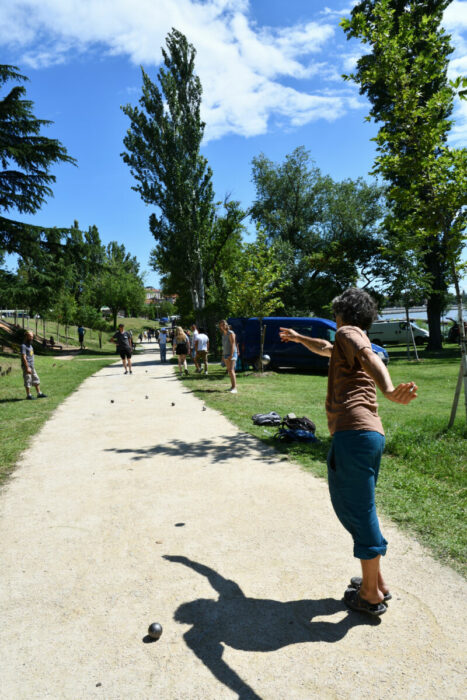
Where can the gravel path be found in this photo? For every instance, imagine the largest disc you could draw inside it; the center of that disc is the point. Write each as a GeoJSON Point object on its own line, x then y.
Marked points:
{"type": "Point", "coordinates": [125, 513]}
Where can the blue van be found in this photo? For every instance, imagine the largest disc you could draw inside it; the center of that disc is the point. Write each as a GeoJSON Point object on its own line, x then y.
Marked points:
{"type": "Point", "coordinates": [247, 331]}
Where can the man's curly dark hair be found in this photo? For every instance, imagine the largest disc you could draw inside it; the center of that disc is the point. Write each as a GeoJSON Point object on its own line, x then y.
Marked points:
{"type": "Point", "coordinates": [356, 308]}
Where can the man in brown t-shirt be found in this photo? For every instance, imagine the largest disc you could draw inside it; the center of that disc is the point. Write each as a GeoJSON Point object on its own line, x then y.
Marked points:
{"type": "Point", "coordinates": [358, 437]}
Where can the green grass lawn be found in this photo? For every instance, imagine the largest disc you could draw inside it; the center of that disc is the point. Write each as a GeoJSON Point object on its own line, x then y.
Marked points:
{"type": "Point", "coordinates": [20, 419]}
{"type": "Point", "coordinates": [422, 482]}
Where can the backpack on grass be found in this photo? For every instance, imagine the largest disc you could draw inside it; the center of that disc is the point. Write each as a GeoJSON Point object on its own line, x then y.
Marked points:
{"type": "Point", "coordinates": [271, 418]}
{"type": "Point", "coordinates": [293, 429]}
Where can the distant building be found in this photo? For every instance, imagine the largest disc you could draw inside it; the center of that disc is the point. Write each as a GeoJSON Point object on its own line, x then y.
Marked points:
{"type": "Point", "coordinates": [155, 296]}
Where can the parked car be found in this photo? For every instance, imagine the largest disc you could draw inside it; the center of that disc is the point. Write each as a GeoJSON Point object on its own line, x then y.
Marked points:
{"type": "Point", "coordinates": [396, 332]}
{"type": "Point", "coordinates": [453, 335]}
{"type": "Point", "coordinates": [247, 331]}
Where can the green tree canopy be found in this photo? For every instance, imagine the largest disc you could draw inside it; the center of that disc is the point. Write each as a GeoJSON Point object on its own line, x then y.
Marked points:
{"type": "Point", "coordinates": [404, 76]}
{"type": "Point", "coordinates": [119, 284]}
{"type": "Point", "coordinates": [327, 231]}
{"type": "Point", "coordinates": [163, 153]}
{"type": "Point", "coordinates": [256, 279]}
{"type": "Point", "coordinates": [26, 158]}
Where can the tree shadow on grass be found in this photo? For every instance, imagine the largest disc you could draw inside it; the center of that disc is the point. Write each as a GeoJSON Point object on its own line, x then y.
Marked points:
{"type": "Point", "coordinates": [254, 624]}
{"type": "Point", "coordinates": [12, 400]}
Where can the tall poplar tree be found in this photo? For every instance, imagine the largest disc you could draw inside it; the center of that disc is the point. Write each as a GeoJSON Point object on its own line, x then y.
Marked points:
{"type": "Point", "coordinates": [163, 153]}
{"type": "Point", "coordinates": [404, 76]}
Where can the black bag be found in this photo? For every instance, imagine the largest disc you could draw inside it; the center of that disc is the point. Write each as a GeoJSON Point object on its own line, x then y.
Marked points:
{"type": "Point", "coordinates": [271, 418]}
{"type": "Point", "coordinates": [291, 421]}
{"type": "Point", "coordinates": [293, 429]}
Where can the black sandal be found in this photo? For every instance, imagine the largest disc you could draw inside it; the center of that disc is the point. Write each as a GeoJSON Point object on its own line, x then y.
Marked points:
{"type": "Point", "coordinates": [355, 602]}
{"type": "Point", "coordinates": [356, 582]}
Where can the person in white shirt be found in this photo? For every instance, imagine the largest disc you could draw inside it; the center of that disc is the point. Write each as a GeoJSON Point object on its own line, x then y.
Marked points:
{"type": "Point", "coordinates": [202, 349]}
{"type": "Point", "coordinates": [194, 335]}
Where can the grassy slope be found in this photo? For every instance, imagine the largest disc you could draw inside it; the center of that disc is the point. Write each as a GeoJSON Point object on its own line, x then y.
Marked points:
{"type": "Point", "coordinates": [422, 484]}
{"type": "Point", "coordinates": [20, 419]}
{"type": "Point", "coordinates": [91, 337]}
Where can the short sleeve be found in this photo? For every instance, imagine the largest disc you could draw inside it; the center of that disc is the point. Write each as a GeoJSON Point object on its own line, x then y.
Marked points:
{"type": "Point", "coordinates": [351, 340]}
{"type": "Point", "coordinates": [24, 350]}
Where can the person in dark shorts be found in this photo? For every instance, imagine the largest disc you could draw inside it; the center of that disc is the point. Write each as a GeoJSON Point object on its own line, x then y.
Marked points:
{"type": "Point", "coordinates": [182, 348]}
{"type": "Point", "coordinates": [357, 437]}
{"type": "Point", "coordinates": [124, 346]}
{"type": "Point", "coordinates": [81, 332]}
{"type": "Point", "coordinates": [30, 376]}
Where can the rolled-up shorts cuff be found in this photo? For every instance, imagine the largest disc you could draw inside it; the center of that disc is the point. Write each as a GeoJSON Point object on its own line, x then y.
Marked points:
{"type": "Point", "coordinates": [31, 379]}
{"type": "Point", "coordinates": [362, 552]}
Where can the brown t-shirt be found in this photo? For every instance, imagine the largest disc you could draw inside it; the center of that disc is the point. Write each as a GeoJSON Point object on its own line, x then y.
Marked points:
{"type": "Point", "coordinates": [351, 400]}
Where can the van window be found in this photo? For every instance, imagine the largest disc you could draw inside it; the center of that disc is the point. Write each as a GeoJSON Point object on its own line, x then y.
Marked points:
{"type": "Point", "coordinates": [305, 330]}
{"type": "Point", "coordinates": [316, 332]}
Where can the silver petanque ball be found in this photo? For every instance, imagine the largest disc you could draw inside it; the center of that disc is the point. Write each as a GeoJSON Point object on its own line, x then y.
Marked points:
{"type": "Point", "coordinates": [155, 630]}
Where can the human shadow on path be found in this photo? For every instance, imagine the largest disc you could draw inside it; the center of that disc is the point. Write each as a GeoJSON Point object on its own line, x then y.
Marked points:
{"type": "Point", "coordinates": [253, 624]}
{"type": "Point", "coordinates": [220, 449]}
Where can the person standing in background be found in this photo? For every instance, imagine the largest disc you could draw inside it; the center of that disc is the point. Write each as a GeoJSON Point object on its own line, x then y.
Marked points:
{"type": "Point", "coordinates": [201, 350]}
{"type": "Point", "coordinates": [30, 376]}
{"type": "Point", "coordinates": [163, 344]}
{"type": "Point", "coordinates": [229, 353]}
{"type": "Point", "coordinates": [182, 348]}
{"type": "Point", "coordinates": [194, 335]}
{"type": "Point", "coordinates": [124, 343]}
{"type": "Point", "coordinates": [81, 332]}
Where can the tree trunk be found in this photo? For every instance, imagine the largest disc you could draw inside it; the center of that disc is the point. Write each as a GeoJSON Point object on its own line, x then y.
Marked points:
{"type": "Point", "coordinates": [463, 343]}
{"type": "Point", "coordinates": [435, 263]}
{"type": "Point", "coordinates": [434, 310]}
{"type": "Point", "coordinates": [114, 316]}
{"type": "Point", "coordinates": [198, 290]}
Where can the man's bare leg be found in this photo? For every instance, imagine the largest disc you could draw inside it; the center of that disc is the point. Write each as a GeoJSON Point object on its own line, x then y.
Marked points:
{"type": "Point", "coordinates": [371, 578]}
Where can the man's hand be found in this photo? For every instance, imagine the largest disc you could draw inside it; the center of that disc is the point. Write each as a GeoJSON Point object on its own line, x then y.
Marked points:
{"type": "Point", "coordinates": [403, 393]}
{"type": "Point", "coordinates": [29, 370]}
{"type": "Point", "coordinates": [288, 335]}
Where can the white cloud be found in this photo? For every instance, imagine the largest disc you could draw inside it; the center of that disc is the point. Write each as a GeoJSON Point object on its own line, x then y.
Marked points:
{"type": "Point", "coordinates": [252, 75]}
{"type": "Point", "coordinates": [455, 16]}
{"type": "Point", "coordinates": [242, 67]}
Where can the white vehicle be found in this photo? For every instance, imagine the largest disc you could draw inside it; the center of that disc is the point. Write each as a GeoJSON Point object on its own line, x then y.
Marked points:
{"type": "Point", "coordinates": [382, 332]}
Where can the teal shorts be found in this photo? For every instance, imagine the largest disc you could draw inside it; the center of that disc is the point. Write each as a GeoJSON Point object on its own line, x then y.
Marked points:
{"type": "Point", "coordinates": [353, 467]}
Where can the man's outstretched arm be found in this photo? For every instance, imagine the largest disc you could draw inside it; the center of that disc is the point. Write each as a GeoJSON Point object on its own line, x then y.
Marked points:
{"type": "Point", "coordinates": [403, 393]}
{"type": "Point", "coordinates": [316, 345]}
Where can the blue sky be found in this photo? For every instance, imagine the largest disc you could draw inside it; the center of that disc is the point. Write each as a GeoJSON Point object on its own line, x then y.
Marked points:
{"type": "Point", "coordinates": [271, 77]}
